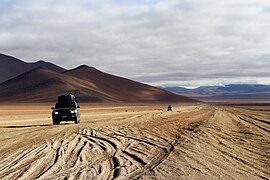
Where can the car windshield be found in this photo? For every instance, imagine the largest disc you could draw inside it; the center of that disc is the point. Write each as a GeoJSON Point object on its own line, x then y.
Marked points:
{"type": "Point", "coordinates": [65, 105]}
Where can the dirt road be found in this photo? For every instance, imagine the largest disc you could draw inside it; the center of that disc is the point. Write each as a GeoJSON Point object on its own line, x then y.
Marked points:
{"type": "Point", "coordinates": [136, 142]}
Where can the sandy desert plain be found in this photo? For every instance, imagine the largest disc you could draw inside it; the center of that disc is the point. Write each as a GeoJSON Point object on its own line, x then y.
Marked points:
{"type": "Point", "coordinates": [136, 141]}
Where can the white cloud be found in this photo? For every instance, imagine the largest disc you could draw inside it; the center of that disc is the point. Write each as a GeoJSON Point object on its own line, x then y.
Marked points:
{"type": "Point", "coordinates": [196, 42]}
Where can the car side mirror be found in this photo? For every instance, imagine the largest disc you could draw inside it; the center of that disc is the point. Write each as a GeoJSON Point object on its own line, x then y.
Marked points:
{"type": "Point", "coordinates": [52, 108]}
{"type": "Point", "coordinates": [78, 106]}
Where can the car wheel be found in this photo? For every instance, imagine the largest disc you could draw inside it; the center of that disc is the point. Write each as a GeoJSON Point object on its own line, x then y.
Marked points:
{"type": "Point", "coordinates": [55, 122]}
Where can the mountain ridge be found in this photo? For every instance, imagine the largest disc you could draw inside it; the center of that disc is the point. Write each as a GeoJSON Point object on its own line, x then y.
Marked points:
{"type": "Point", "coordinates": [228, 91]}
{"type": "Point", "coordinates": [11, 67]}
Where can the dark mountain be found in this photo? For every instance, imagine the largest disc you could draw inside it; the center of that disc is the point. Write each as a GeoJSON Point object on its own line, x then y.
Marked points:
{"type": "Point", "coordinates": [230, 91]}
{"type": "Point", "coordinates": [11, 67]}
{"type": "Point", "coordinates": [124, 89]}
{"type": "Point", "coordinates": [87, 83]}
{"type": "Point", "coordinates": [47, 65]}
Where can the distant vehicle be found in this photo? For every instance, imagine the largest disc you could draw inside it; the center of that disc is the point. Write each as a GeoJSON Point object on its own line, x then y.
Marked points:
{"type": "Point", "coordinates": [170, 107]}
{"type": "Point", "coordinates": [66, 109]}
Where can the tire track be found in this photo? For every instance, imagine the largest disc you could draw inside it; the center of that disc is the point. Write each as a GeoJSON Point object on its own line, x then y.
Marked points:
{"type": "Point", "coordinates": [230, 145]}
{"type": "Point", "coordinates": [105, 153]}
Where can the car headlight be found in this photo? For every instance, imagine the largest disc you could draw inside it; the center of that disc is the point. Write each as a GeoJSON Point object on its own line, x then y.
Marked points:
{"type": "Point", "coordinates": [73, 111]}
{"type": "Point", "coordinates": [55, 112]}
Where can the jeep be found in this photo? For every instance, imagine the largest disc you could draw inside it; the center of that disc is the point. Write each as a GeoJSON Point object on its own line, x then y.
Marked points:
{"type": "Point", "coordinates": [66, 109]}
{"type": "Point", "coordinates": [170, 107]}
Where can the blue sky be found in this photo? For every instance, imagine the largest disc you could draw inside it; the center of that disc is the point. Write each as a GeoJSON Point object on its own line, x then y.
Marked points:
{"type": "Point", "coordinates": [6, 4]}
{"type": "Point", "coordinates": [166, 42]}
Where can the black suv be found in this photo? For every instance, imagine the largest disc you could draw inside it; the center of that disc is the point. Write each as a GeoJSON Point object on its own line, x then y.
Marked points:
{"type": "Point", "coordinates": [66, 109]}
{"type": "Point", "coordinates": [170, 107]}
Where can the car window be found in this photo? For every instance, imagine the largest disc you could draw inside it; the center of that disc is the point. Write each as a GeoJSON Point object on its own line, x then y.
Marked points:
{"type": "Point", "coordinates": [65, 105]}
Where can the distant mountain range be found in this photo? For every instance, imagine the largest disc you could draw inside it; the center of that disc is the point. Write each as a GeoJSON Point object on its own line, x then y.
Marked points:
{"type": "Point", "coordinates": [43, 82]}
{"type": "Point", "coordinates": [230, 91]}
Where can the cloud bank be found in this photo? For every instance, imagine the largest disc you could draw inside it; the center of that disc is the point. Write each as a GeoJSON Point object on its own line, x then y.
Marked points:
{"type": "Point", "coordinates": [159, 42]}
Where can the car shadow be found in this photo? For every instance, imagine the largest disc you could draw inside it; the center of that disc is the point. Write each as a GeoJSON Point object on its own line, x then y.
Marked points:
{"type": "Point", "coordinates": [26, 126]}
{"type": "Point", "coordinates": [37, 125]}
